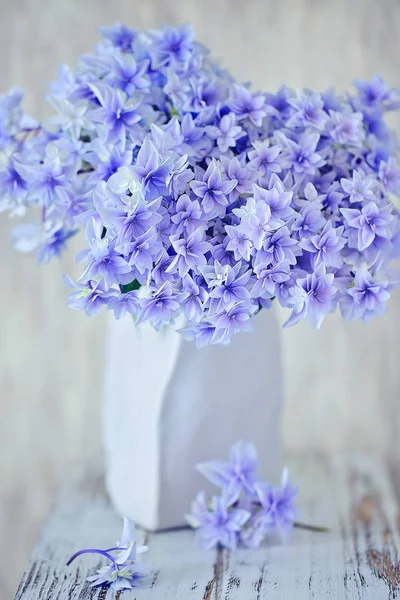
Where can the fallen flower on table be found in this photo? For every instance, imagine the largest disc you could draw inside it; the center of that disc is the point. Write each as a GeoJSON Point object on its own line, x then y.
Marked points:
{"type": "Point", "coordinates": [249, 509]}
{"type": "Point", "coordinates": [124, 570]}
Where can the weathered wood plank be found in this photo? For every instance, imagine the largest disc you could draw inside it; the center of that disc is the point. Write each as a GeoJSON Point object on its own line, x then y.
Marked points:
{"type": "Point", "coordinates": [358, 558]}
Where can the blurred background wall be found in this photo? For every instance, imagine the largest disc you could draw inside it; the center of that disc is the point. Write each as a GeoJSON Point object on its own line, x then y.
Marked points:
{"type": "Point", "coordinates": [342, 383]}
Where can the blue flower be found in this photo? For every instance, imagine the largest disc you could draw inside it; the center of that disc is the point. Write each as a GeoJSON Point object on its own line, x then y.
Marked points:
{"type": "Point", "coordinates": [248, 509]}
{"type": "Point", "coordinates": [188, 217]}
{"type": "Point", "coordinates": [125, 303]}
{"type": "Point", "coordinates": [373, 93]}
{"type": "Point", "coordinates": [277, 512]}
{"type": "Point", "coordinates": [238, 243]}
{"type": "Point", "coordinates": [308, 111]}
{"type": "Point", "coordinates": [368, 297]}
{"type": "Point", "coordinates": [124, 571]}
{"type": "Point", "coordinates": [277, 247]}
{"type": "Point", "coordinates": [236, 476]}
{"type": "Point", "coordinates": [347, 128]}
{"type": "Point", "coordinates": [264, 158]}
{"type": "Point", "coordinates": [226, 132]}
{"type": "Point", "coordinates": [361, 187]}
{"type": "Point", "coordinates": [213, 190]}
{"type": "Point", "coordinates": [312, 297]}
{"type": "Point", "coordinates": [152, 170]}
{"type": "Point", "coordinates": [161, 308]}
{"type": "Point", "coordinates": [116, 113]}
{"type": "Point", "coordinates": [248, 106]}
{"type": "Point", "coordinates": [325, 246]}
{"type": "Point", "coordinates": [370, 222]}
{"type": "Point", "coordinates": [212, 198]}
{"type": "Point", "coordinates": [128, 75]}
{"type": "Point", "coordinates": [120, 36]}
{"type": "Point", "coordinates": [190, 252]}
{"type": "Point", "coordinates": [301, 155]}
{"type": "Point", "coordinates": [13, 187]}
{"type": "Point", "coordinates": [193, 298]}
{"type": "Point", "coordinates": [218, 527]}
{"type": "Point", "coordinates": [101, 256]}
{"type": "Point", "coordinates": [89, 296]}
{"type": "Point", "coordinates": [267, 278]}
{"type": "Point", "coordinates": [174, 45]}
{"type": "Point", "coordinates": [233, 289]}
{"type": "Point", "coordinates": [389, 174]}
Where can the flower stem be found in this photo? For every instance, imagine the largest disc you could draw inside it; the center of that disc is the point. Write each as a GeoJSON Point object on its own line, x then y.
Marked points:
{"type": "Point", "coordinates": [91, 551]}
{"type": "Point", "coordinates": [308, 527]}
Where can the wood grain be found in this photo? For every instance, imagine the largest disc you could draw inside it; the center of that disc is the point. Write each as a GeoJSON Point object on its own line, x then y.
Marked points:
{"type": "Point", "coordinates": [358, 558]}
{"type": "Point", "coordinates": [51, 358]}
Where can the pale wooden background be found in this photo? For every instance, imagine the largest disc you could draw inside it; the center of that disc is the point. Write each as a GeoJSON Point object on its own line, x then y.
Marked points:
{"type": "Point", "coordinates": [342, 383]}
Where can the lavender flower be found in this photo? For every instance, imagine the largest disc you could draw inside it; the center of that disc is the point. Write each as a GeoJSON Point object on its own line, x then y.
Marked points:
{"type": "Point", "coordinates": [124, 570]}
{"type": "Point", "coordinates": [117, 114]}
{"type": "Point", "coordinates": [211, 197]}
{"type": "Point", "coordinates": [218, 527]}
{"type": "Point", "coordinates": [226, 133]}
{"type": "Point", "coordinates": [370, 221]}
{"type": "Point", "coordinates": [277, 512]}
{"type": "Point", "coordinates": [237, 475]}
{"type": "Point", "coordinates": [361, 187]}
{"type": "Point", "coordinates": [264, 158]}
{"type": "Point", "coordinates": [368, 297]}
{"type": "Point", "coordinates": [248, 510]}
{"type": "Point", "coordinates": [312, 297]}
{"type": "Point", "coordinates": [248, 106]}
{"type": "Point", "coordinates": [213, 190]}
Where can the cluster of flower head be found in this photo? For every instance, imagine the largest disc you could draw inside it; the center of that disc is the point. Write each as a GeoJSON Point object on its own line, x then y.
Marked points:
{"type": "Point", "coordinates": [202, 200]}
{"type": "Point", "coordinates": [124, 570]}
{"type": "Point", "coordinates": [248, 509]}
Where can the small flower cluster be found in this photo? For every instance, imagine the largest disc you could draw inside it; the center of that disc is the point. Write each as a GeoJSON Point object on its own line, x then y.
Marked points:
{"type": "Point", "coordinates": [248, 509]}
{"type": "Point", "coordinates": [201, 200]}
{"type": "Point", "coordinates": [124, 571]}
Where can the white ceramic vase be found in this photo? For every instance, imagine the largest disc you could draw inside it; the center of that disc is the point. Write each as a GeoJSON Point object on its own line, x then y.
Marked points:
{"type": "Point", "coordinates": [169, 406]}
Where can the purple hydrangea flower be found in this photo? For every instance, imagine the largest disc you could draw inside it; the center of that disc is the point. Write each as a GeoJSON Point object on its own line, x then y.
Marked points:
{"type": "Point", "coordinates": [161, 308]}
{"type": "Point", "coordinates": [218, 527]}
{"type": "Point", "coordinates": [246, 105]}
{"type": "Point", "coordinates": [116, 113]}
{"type": "Point", "coordinates": [389, 174]}
{"type": "Point", "coordinates": [347, 129]}
{"type": "Point", "coordinates": [248, 509]}
{"type": "Point", "coordinates": [101, 256]}
{"type": "Point", "coordinates": [325, 247]}
{"type": "Point", "coordinates": [124, 571]}
{"type": "Point", "coordinates": [213, 190]}
{"type": "Point", "coordinates": [89, 296]}
{"type": "Point", "coordinates": [267, 278]}
{"type": "Point", "coordinates": [368, 297]}
{"type": "Point", "coordinates": [361, 187]}
{"type": "Point", "coordinates": [226, 133]}
{"type": "Point", "coordinates": [373, 93]}
{"type": "Point", "coordinates": [120, 36]}
{"type": "Point", "coordinates": [188, 217]}
{"type": "Point", "coordinates": [236, 476]}
{"type": "Point", "coordinates": [277, 512]}
{"type": "Point", "coordinates": [308, 110]}
{"type": "Point", "coordinates": [264, 158]}
{"type": "Point", "coordinates": [312, 297]}
{"type": "Point", "coordinates": [210, 197]}
{"type": "Point", "coordinates": [190, 252]}
{"type": "Point", "coordinates": [239, 243]}
{"type": "Point", "coordinates": [370, 221]}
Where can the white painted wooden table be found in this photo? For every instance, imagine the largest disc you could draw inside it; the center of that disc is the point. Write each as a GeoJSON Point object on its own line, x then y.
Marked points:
{"type": "Point", "coordinates": [359, 558]}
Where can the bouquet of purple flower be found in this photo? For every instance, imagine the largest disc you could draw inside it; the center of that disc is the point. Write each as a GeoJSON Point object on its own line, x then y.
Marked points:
{"type": "Point", "coordinates": [201, 200]}
{"type": "Point", "coordinates": [249, 509]}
